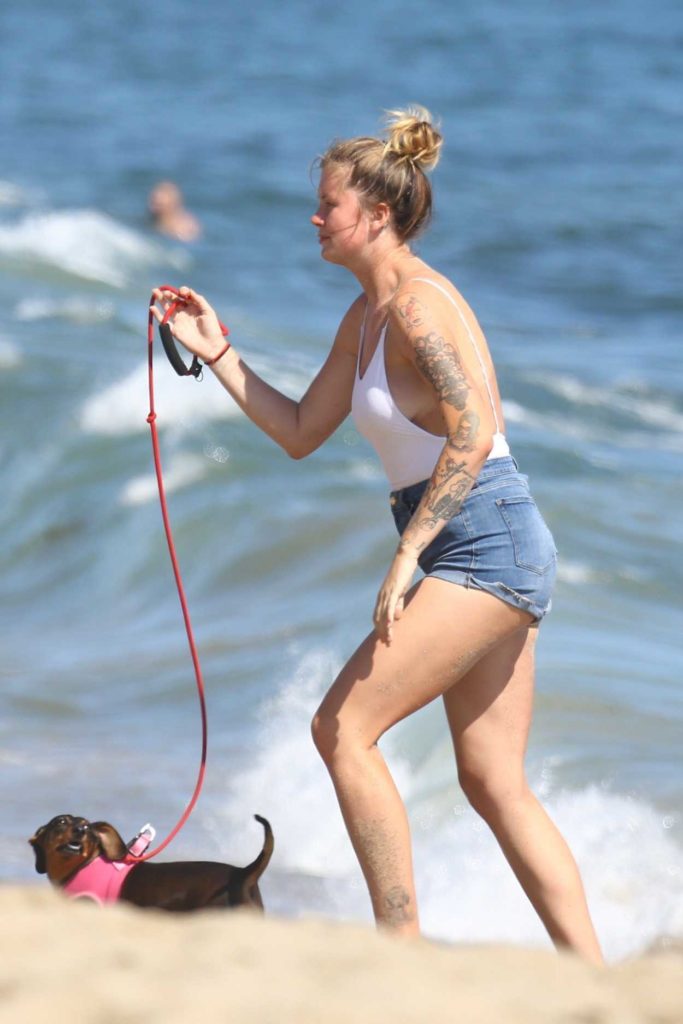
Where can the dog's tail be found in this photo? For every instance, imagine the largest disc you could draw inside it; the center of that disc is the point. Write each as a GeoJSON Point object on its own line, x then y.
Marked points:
{"type": "Point", "coordinates": [253, 871]}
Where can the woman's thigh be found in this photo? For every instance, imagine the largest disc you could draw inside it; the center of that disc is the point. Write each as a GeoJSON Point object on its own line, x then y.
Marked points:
{"type": "Point", "coordinates": [489, 712]}
{"type": "Point", "coordinates": [445, 629]}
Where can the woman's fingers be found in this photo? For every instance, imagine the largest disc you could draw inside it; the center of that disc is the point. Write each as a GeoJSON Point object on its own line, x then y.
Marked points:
{"type": "Point", "coordinates": [391, 598]}
{"type": "Point", "coordinates": [190, 295]}
{"type": "Point", "coordinates": [185, 297]}
{"type": "Point", "coordinates": [166, 304]}
{"type": "Point", "coordinates": [383, 617]}
{"type": "Point", "coordinates": [166, 297]}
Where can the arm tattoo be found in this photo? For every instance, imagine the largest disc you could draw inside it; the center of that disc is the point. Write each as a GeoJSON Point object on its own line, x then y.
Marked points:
{"type": "Point", "coordinates": [439, 363]}
{"type": "Point", "coordinates": [437, 359]}
{"type": "Point", "coordinates": [464, 438]}
{"type": "Point", "coordinates": [410, 312]}
{"type": "Point", "coordinates": [449, 487]}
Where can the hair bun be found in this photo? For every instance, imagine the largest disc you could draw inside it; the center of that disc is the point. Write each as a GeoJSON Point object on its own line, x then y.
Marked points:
{"type": "Point", "coordinates": [413, 137]}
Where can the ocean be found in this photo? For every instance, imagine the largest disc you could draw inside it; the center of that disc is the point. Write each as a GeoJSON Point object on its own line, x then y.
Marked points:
{"type": "Point", "coordinates": [558, 214]}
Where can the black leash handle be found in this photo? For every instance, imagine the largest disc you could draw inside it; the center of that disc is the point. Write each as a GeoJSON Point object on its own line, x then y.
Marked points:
{"type": "Point", "coordinates": [174, 356]}
{"type": "Point", "coordinates": [168, 341]}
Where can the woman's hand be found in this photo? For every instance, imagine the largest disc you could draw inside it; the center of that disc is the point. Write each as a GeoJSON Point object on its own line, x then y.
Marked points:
{"type": "Point", "coordinates": [194, 323]}
{"type": "Point", "coordinates": [389, 605]}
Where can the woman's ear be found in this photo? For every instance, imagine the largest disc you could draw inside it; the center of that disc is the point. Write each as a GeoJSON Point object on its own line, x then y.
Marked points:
{"type": "Point", "coordinates": [380, 217]}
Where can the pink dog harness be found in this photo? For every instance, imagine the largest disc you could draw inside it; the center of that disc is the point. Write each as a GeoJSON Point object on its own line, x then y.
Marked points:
{"type": "Point", "coordinates": [101, 881]}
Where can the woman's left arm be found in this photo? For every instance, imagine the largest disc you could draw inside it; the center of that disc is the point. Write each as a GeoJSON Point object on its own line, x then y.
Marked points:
{"type": "Point", "coordinates": [431, 341]}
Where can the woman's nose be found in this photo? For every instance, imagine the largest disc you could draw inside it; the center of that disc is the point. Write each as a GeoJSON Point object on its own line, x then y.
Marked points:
{"type": "Point", "coordinates": [316, 219]}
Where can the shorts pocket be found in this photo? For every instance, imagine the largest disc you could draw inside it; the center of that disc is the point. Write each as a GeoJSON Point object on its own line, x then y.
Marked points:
{"type": "Point", "coordinates": [532, 541]}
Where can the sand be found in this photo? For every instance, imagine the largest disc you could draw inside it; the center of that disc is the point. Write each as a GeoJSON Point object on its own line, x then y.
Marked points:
{"type": "Point", "coordinates": [73, 962]}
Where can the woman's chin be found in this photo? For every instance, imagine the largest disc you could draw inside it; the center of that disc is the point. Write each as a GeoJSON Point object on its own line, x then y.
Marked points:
{"type": "Point", "coordinates": [330, 256]}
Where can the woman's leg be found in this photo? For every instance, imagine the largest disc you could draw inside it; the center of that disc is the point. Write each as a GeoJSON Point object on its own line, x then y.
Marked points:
{"type": "Point", "coordinates": [489, 713]}
{"type": "Point", "coordinates": [444, 631]}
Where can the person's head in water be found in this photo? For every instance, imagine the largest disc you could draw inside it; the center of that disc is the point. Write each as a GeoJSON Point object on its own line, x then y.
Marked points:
{"type": "Point", "coordinates": [386, 175]}
{"type": "Point", "coordinates": [169, 214]}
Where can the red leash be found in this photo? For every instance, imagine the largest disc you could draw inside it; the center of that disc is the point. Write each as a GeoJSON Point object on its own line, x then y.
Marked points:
{"type": "Point", "coordinates": [195, 371]}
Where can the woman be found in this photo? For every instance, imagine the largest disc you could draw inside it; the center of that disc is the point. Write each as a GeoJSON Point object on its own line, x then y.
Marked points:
{"type": "Point", "coordinates": [410, 361]}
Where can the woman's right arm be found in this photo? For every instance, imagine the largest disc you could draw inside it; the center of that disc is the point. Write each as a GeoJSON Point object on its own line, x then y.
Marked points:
{"type": "Point", "coordinates": [298, 427]}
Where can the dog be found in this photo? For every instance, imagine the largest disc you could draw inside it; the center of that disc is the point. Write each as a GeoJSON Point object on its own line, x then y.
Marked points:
{"type": "Point", "coordinates": [88, 859]}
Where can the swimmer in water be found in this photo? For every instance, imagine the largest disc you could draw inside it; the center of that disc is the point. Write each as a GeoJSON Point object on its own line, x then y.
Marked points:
{"type": "Point", "coordinates": [169, 215]}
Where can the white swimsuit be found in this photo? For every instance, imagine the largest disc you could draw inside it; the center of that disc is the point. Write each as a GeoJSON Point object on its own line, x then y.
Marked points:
{"type": "Point", "coordinates": [407, 452]}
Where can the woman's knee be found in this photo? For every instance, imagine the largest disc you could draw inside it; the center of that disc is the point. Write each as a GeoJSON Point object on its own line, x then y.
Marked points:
{"type": "Point", "coordinates": [336, 739]}
{"type": "Point", "coordinates": [324, 733]}
{"type": "Point", "coordinates": [489, 792]}
{"type": "Point", "coordinates": [329, 737]}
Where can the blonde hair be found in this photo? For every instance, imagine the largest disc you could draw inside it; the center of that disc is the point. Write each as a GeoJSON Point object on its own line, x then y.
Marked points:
{"type": "Point", "coordinates": [392, 170]}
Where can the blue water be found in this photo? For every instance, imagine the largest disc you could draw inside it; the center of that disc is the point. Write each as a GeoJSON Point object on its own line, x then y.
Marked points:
{"type": "Point", "coordinates": [558, 213]}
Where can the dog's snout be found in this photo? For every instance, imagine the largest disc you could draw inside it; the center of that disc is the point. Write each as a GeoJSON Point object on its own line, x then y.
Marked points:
{"type": "Point", "coordinates": [80, 828]}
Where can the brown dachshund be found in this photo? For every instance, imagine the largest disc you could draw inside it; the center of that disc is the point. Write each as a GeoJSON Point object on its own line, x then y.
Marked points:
{"type": "Point", "coordinates": [88, 859]}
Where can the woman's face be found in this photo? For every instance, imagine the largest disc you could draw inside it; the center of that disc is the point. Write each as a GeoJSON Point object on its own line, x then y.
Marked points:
{"type": "Point", "coordinates": [341, 221]}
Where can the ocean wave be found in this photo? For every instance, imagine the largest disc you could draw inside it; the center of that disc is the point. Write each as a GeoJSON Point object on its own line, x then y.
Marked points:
{"type": "Point", "coordinates": [548, 422]}
{"type": "Point", "coordinates": [10, 356]}
{"type": "Point", "coordinates": [637, 402]}
{"type": "Point", "coordinates": [181, 471]}
{"type": "Point", "coordinates": [11, 194]}
{"type": "Point", "coordinates": [86, 243]}
{"type": "Point", "coordinates": [516, 413]}
{"type": "Point", "coordinates": [123, 406]}
{"type": "Point", "coordinates": [661, 425]}
{"type": "Point", "coordinates": [74, 310]}
{"type": "Point", "coordinates": [577, 573]}
{"type": "Point", "coordinates": [180, 401]}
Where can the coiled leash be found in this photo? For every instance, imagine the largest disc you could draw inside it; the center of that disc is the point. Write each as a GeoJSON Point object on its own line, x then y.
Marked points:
{"type": "Point", "coordinates": [194, 370]}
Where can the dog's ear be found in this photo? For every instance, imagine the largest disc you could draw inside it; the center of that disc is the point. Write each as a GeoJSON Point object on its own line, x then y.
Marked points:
{"type": "Point", "coordinates": [113, 846]}
{"type": "Point", "coordinates": [35, 841]}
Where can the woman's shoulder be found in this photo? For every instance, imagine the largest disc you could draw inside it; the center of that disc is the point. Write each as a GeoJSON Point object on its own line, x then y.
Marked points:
{"type": "Point", "coordinates": [428, 283]}
{"type": "Point", "coordinates": [356, 310]}
{"type": "Point", "coordinates": [348, 333]}
{"type": "Point", "coordinates": [353, 317]}
{"type": "Point", "coordinates": [425, 296]}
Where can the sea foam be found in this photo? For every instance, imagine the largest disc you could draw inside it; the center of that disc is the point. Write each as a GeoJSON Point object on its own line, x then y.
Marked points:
{"type": "Point", "coordinates": [633, 401]}
{"type": "Point", "coordinates": [181, 471]}
{"type": "Point", "coordinates": [75, 310]}
{"type": "Point", "coordinates": [86, 243]}
{"type": "Point", "coordinates": [122, 407]}
{"type": "Point", "coordinates": [11, 194]}
{"type": "Point", "coordinates": [10, 356]}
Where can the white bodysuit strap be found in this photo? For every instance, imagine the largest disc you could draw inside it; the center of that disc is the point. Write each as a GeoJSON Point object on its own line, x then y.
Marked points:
{"type": "Point", "coordinates": [435, 284]}
{"type": "Point", "coordinates": [361, 339]}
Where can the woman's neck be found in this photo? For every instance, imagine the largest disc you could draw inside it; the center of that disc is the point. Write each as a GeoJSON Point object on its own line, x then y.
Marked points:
{"type": "Point", "coordinates": [381, 277]}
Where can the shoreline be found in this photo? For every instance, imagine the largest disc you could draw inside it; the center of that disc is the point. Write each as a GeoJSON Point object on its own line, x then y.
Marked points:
{"type": "Point", "coordinates": [68, 961]}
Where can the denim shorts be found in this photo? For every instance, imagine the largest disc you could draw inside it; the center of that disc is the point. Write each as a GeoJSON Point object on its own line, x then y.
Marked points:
{"type": "Point", "coordinates": [498, 542]}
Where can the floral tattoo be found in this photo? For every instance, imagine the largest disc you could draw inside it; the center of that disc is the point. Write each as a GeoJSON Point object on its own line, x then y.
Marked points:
{"type": "Point", "coordinates": [439, 362]}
